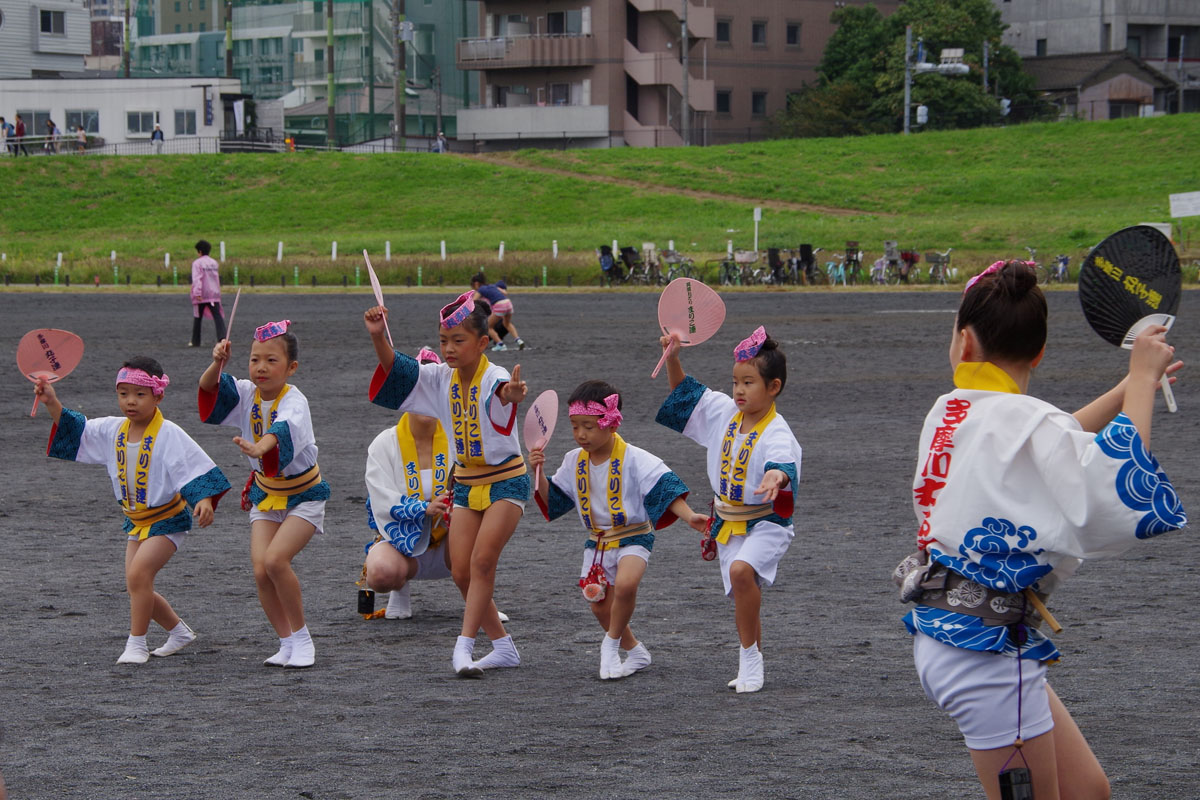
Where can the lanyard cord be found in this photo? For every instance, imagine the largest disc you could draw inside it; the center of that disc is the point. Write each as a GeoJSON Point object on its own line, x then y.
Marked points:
{"type": "Point", "coordinates": [1019, 633]}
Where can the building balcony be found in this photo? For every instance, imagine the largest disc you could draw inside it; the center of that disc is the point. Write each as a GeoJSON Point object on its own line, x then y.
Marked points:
{"type": "Point", "coordinates": [349, 22]}
{"type": "Point", "coordinates": [534, 122]}
{"type": "Point", "coordinates": [274, 60]}
{"type": "Point", "coordinates": [653, 69]}
{"type": "Point", "coordinates": [702, 22]}
{"type": "Point", "coordinates": [346, 70]}
{"type": "Point", "coordinates": [520, 52]}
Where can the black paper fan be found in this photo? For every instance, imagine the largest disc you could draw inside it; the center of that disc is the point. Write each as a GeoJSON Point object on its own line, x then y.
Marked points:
{"type": "Point", "coordinates": [1130, 275]}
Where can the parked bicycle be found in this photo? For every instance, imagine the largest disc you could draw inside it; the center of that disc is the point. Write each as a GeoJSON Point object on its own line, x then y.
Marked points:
{"type": "Point", "coordinates": [852, 266]}
{"type": "Point", "coordinates": [678, 266]}
{"type": "Point", "coordinates": [939, 265]}
{"type": "Point", "coordinates": [836, 269]}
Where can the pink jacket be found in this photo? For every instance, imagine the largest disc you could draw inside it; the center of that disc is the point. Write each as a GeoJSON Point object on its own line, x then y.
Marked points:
{"type": "Point", "coordinates": [206, 281]}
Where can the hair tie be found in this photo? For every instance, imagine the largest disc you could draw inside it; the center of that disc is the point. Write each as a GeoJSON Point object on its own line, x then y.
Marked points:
{"type": "Point", "coordinates": [272, 329]}
{"type": "Point", "coordinates": [452, 319]}
{"type": "Point", "coordinates": [608, 412]}
{"type": "Point", "coordinates": [427, 356]}
{"type": "Point", "coordinates": [139, 377]}
{"type": "Point", "coordinates": [750, 346]}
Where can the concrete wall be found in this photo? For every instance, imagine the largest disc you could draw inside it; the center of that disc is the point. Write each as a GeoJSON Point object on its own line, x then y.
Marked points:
{"type": "Point", "coordinates": [25, 51]}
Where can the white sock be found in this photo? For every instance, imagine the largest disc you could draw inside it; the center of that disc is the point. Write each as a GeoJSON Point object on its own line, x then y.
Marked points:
{"type": "Point", "coordinates": [399, 605]}
{"type": "Point", "coordinates": [504, 654]}
{"type": "Point", "coordinates": [610, 658]}
{"type": "Point", "coordinates": [136, 651]}
{"type": "Point", "coordinates": [304, 653]}
{"type": "Point", "coordinates": [638, 658]}
{"type": "Point", "coordinates": [178, 638]}
{"type": "Point", "coordinates": [281, 657]}
{"type": "Point", "coordinates": [750, 670]}
{"type": "Point", "coordinates": [464, 665]}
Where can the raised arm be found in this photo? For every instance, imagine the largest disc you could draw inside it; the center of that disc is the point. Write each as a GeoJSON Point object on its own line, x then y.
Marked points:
{"type": "Point", "coordinates": [1148, 362]}
{"type": "Point", "coordinates": [45, 392]}
{"type": "Point", "coordinates": [375, 320]}
{"type": "Point", "coordinates": [675, 373]}
{"type": "Point", "coordinates": [211, 377]}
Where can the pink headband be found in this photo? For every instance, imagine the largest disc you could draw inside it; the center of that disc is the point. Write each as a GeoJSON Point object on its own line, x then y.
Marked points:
{"type": "Point", "coordinates": [427, 356]}
{"type": "Point", "coordinates": [138, 377]}
{"type": "Point", "coordinates": [455, 318]}
{"type": "Point", "coordinates": [750, 346]}
{"type": "Point", "coordinates": [271, 330]}
{"type": "Point", "coordinates": [609, 414]}
{"type": "Point", "coordinates": [992, 270]}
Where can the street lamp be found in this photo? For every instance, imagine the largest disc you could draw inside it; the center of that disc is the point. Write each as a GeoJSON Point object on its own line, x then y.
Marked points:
{"type": "Point", "coordinates": [951, 64]}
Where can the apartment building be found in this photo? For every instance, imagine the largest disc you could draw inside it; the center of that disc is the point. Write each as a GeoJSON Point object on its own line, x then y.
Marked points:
{"type": "Point", "coordinates": [611, 72]}
{"type": "Point", "coordinates": [1165, 34]}
{"type": "Point", "coordinates": [189, 16]}
{"type": "Point", "coordinates": [43, 38]}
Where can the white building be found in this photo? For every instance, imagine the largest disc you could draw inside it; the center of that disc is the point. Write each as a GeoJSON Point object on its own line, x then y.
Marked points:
{"type": "Point", "coordinates": [43, 38]}
{"type": "Point", "coordinates": [123, 110]}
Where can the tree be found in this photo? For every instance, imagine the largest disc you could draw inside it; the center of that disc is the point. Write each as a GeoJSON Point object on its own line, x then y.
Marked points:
{"type": "Point", "coordinates": [860, 87]}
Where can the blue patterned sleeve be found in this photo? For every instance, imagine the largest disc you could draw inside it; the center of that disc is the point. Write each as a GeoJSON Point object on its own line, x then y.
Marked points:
{"type": "Point", "coordinates": [390, 390]}
{"type": "Point", "coordinates": [559, 503]}
{"type": "Point", "coordinates": [677, 409]}
{"type": "Point", "coordinates": [669, 488]}
{"type": "Point", "coordinates": [371, 518]}
{"type": "Point", "coordinates": [67, 435]}
{"type": "Point", "coordinates": [408, 524]}
{"type": "Point", "coordinates": [788, 469]}
{"type": "Point", "coordinates": [211, 484]}
{"type": "Point", "coordinates": [1141, 485]}
{"type": "Point", "coordinates": [283, 433]}
{"type": "Point", "coordinates": [216, 406]}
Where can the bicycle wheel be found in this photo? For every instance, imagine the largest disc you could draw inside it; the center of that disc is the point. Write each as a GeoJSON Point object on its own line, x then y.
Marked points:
{"type": "Point", "coordinates": [1043, 275]}
{"type": "Point", "coordinates": [891, 276]}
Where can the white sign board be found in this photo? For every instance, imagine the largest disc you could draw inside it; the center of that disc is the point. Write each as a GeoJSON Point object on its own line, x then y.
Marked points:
{"type": "Point", "coordinates": [1185, 205]}
{"type": "Point", "coordinates": [758, 214]}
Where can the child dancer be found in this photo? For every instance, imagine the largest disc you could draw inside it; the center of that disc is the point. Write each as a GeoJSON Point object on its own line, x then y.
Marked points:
{"type": "Point", "coordinates": [157, 471]}
{"type": "Point", "coordinates": [1009, 493]}
{"type": "Point", "coordinates": [500, 321]}
{"type": "Point", "coordinates": [623, 494]}
{"type": "Point", "coordinates": [408, 480]}
{"type": "Point", "coordinates": [476, 402]}
{"type": "Point", "coordinates": [285, 494]}
{"type": "Point", "coordinates": [749, 445]}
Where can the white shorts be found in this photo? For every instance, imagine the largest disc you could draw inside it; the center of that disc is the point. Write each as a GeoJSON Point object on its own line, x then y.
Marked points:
{"type": "Point", "coordinates": [979, 690]}
{"type": "Point", "coordinates": [502, 307]}
{"type": "Point", "coordinates": [518, 503]}
{"type": "Point", "coordinates": [761, 548]}
{"type": "Point", "coordinates": [609, 558]}
{"type": "Point", "coordinates": [431, 565]}
{"type": "Point", "coordinates": [176, 538]}
{"type": "Point", "coordinates": [312, 512]}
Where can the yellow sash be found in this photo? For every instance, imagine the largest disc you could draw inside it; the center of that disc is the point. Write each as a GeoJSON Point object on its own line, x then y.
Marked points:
{"type": "Point", "coordinates": [465, 413]}
{"type": "Point", "coordinates": [606, 540]}
{"type": "Point", "coordinates": [143, 519]}
{"type": "Point", "coordinates": [732, 488]}
{"type": "Point", "coordinates": [984, 376]}
{"type": "Point", "coordinates": [616, 508]}
{"type": "Point", "coordinates": [256, 415]}
{"type": "Point", "coordinates": [412, 468]}
{"type": "Point", "coordinates": [133, 497]}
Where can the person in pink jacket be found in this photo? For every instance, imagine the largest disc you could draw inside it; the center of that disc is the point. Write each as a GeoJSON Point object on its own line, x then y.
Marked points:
{"type": "Point", "coordinates": [206, 292]}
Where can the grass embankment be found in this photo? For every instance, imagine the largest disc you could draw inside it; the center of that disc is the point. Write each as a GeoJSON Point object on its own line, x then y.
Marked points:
{"type": "Point", "coordinates": [1059, 187]}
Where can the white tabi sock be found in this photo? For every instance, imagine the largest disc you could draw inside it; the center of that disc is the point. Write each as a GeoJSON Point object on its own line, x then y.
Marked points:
{"type": "Point", "coordinates": [281, 657]}
{"type": "Point", "coordinates": [136, 651]}
{"type": "Point", "coordinates": [462, 661]}
{"type": "Point", "coordinates": [750, 670]}
{"type": "Point", "coordinates": [304, 653]}
{"type": "Point", "coordinates": [399, 604]}
{"type": "Point", "coordinates": [638, 658]}
{"type": "Point", "coordinates": [504, 654]}
{"type": "Point", "coordinates": [179, 637]}
{"type": "Point", "coordinates": [610, 658]}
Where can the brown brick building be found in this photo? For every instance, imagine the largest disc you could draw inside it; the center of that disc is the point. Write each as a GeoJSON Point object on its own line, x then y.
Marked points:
{"type": "Point", "coordinates": [610, 72]}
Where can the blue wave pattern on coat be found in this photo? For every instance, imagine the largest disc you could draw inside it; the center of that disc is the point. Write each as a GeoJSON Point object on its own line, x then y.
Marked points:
{"type": "Point", "coordinates": [1141, 483]}
{"type": "Point", "coordinates": [1002, 559]}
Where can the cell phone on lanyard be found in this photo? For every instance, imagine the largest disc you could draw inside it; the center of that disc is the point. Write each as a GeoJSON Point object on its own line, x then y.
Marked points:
{"type": "Point", "coordinates": [1016, 784]}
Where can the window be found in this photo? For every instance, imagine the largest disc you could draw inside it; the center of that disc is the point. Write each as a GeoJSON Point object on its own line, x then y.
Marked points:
{"type": "Point", "coordinates": [724, 101]}
{"type": "Point", "coordinates": [89, 119]}
{"type": "Point", "coordinates": [793, 34]}
{"type": "Point", "coordinates": [297, 45]}
{"type": "Point", "coordinates": [1173, 47]}
{"type": "Point", "coordinates": [202, 4]}
{"type": "Point", "coordinates": [179, 29]}
{"type": "Point", "coordinates": [35, 121]}
{"type": "Point", "coordinates": [203, 27]}
{"type": "Point", "coordinates": [185, 122]}
{"type": "Point", "coordinates": [758, 33]}
{"type": "Point", "coordinates": [319, 56]}
{"type": "Point", "coordinates": [54, 22]}
{"type": "Point", "coordinates": [1120, 110]}
{"type": "Point", "coordinates": [1134, 45]}
{"type": "Point", "coordinates": [724, 31]}
{"type": "Point", "coordinates": [560, 22]}
{"type": "Point", "coordinates": [1040, 47]}
{"type": "Point", "coordinates": [140, 123]}
{"type": "Point", "coordinates": [560, 94]}
{"type": "Point", "coordinates": [176, 6]}
{"type": "Point", "coordinates": [189, 27]}
{"type": "Point", "coordinates": [758, 104]}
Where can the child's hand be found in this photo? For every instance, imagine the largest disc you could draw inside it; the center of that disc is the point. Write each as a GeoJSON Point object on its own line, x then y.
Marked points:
{"type": "Point", "coordinates": [203, 512]}
{"type": "Point", "coordinates": [537, 457]}
{"type": "Point", "coordinates": [1151, 355]}
{"type": "Point", "coordinates": [773, 481]}
{"type": "Point", "coordinates": [221, 351]}
{"type": "Point", "coordinates": [667, 341]}
{"type": "Point", "coordinates": [255, 449]}
{"type": "Point", "coordinates": [45, 392]}
{"type": "Point", "coordinates": [438, 506]}
{"type": "Point", "coordinates": [1171, 370]}
{"type": "Point", "coordinates": [375, 318]}
{"type": "Point", "coordinates": [698, 522]}
{"type": "Point", "coordinates": [515, 390]}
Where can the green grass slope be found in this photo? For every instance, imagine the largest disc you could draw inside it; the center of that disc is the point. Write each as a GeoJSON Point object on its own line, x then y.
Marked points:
{"type": "Point", "coordinates": [985, 192]}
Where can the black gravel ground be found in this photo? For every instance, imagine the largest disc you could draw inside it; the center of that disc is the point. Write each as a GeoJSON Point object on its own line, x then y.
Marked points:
{"type": "Point", "coordinates": [382, 715]}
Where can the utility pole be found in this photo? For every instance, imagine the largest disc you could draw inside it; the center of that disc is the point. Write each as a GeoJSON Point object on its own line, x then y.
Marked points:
{"type": "Point", "coordinates": [370, 4]}
{"type": "Point", "coordinates": [228, 38]}
{"type": "Point", "coordinates": [907, 77]}
{"type": "Point", "coordinates": [986, 48]}
{"type": "Point", "coordinates": [437, 85]}
{"type": "Point", "coordinates": [128, 39]}
{"type": "Point", "coordinates": [398, 77]}
{"type": "Point", "coordinates": [330, 96]}
{"type": "Point", "coordinates": [686, 110]}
